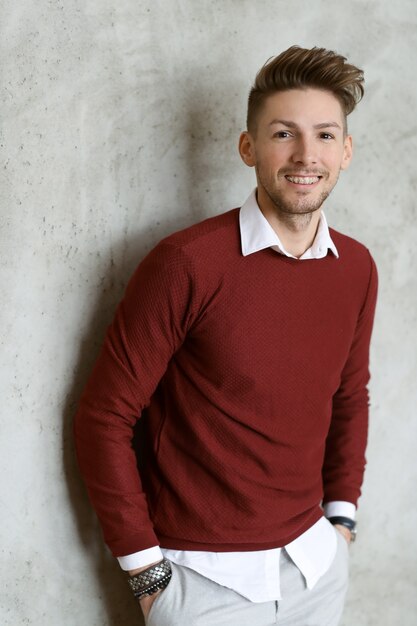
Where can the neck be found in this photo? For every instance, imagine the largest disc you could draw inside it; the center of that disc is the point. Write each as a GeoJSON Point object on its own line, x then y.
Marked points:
{"type": "Point", "coordinates": [296, 231]}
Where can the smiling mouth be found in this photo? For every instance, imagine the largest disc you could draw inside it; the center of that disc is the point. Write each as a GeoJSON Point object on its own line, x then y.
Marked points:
{"type": "Point", "coordinates": [303, 180]}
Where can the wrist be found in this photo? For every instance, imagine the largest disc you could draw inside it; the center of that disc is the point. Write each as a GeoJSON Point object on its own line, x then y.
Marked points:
{"type": "Point", "coordinates": [347, 524]}
{"type": "Point", "coordinates": [150, 579]}
{"type": "Point", "coordinates": [345, 532]}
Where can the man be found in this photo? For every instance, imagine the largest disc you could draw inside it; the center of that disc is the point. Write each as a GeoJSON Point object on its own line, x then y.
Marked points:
{"type": "Point", "coordinates": [243, 344]}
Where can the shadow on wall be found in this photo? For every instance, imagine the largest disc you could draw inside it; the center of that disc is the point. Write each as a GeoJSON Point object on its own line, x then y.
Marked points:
{"type": "Point", "coordinates": [118, 605]}
{"type": "Point", "coordinates": [119, 608]}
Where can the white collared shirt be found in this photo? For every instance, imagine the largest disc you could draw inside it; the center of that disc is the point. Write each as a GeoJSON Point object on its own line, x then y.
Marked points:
{"type": "Point", "coordinates": [255, 574]}
{"type": "Point", "coordinates": [256, 234]}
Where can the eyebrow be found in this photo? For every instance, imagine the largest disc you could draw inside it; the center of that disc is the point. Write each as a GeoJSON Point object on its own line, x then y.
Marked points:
{"type": "Point", "coordinates": [290, 124]}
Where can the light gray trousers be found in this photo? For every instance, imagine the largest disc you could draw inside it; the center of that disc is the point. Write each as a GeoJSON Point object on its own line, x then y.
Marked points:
{"type": "Point", "coordinates": [193, 600]}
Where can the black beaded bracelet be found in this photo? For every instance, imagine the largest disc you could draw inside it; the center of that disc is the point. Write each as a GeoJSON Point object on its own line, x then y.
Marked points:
{"type": "Point", "coordinates": [149, 591]}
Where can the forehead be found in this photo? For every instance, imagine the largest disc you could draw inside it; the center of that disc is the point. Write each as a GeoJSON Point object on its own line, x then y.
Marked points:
{"type": "Point", "coordinates": [302, 106]}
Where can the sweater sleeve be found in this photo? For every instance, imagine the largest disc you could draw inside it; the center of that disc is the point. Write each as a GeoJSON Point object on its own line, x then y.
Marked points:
{"type": "Point", "coordinates": [344, 461]}
{"type": "Point", "coordinates": [149, 326]}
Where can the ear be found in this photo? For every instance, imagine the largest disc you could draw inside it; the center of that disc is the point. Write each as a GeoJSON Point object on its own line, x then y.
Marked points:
{"type": "Point", "coordinates": [247, 149]}
{"type": "Point", "coordinates": [347, 152]}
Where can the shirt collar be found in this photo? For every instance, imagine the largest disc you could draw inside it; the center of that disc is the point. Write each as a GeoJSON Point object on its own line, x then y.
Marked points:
{"type": "Point", "coordinates": [256, 234]}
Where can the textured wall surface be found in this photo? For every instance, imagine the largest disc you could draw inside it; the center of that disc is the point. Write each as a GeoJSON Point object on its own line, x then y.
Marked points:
{"type": "Point", "coordinates": [119, 124]}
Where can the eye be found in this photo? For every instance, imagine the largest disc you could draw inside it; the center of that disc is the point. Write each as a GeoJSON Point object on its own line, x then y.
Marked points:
{"type": "Point", "coordinates": [326, 136]}
{"type": "Point", "coordinates": [282, 134]}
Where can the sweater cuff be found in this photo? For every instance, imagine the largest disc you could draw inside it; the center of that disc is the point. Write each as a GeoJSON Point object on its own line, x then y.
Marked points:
{"type": "Point", "coordinates": [140, 559]}
{"type": "Point", "coordinates": [340, 508]}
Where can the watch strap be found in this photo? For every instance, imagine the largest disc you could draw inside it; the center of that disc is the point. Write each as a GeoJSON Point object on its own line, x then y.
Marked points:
{"type": "Point", "coordinates": [347, 522]}
{"type": "Point", "coordinates": [343, 521]}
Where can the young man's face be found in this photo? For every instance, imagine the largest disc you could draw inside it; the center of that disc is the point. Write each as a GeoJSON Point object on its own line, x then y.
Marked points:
{"type": "Point", "coordinates": [298, 150]}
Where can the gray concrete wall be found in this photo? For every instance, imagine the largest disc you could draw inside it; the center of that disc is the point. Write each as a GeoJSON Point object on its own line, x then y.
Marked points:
{"type": "Point", "coordinates": [119, 124]}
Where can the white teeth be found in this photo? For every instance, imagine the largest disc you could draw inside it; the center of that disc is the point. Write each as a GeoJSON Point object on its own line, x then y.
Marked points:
{"type": "Point", "coordinates": [303, 180]}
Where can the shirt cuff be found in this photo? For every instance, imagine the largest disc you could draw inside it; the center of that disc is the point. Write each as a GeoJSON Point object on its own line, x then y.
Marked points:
{"type": "Point", "coordinates": [340, 508]}
{"type": "Point", "coordinates": [140, 559]}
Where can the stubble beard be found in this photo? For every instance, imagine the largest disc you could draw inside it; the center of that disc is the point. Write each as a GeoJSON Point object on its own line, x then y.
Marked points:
{"type": "Point", "coordinates": [299, 212]}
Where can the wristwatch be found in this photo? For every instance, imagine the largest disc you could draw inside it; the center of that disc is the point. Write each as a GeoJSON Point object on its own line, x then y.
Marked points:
{"type": "Point", "coordinates": [347, 522]}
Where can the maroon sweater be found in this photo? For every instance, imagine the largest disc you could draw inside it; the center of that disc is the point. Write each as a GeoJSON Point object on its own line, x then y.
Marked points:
{"type": "Point", "coordinates": [250, 374]}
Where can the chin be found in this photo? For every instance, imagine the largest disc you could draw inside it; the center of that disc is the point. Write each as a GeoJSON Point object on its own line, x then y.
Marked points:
{"type": "Point", "coordinates": [295, 209]}
{"type": "Point", "coordinates": [301, 208]}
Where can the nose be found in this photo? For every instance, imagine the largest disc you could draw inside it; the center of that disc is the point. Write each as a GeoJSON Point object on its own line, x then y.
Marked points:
{"type": "Point", "coordinates": [305, 151]}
